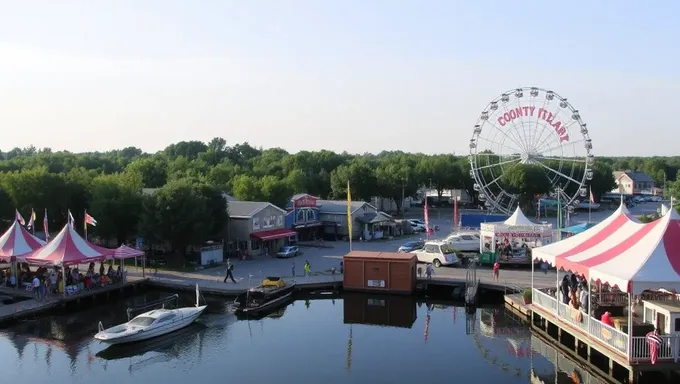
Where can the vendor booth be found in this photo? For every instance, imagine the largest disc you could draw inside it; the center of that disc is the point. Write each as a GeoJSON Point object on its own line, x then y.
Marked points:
{"type": "Point", "coordinates": [620, 263]}
{"type": "Point", "coordinates": [15, 243]}
{"type": "Point", "coordinates": [575, 229]}
{"type": "Point", "coordinates": [511, 241]}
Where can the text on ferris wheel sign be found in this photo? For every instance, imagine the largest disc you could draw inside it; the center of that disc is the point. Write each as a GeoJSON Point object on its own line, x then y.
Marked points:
{"type": "Point", "coordinates": [542, 114]}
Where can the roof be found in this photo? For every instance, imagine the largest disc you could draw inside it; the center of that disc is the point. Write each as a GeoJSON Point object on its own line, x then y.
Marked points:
{"type": "Point", "coordinates": [17, 241]}
{"type": "Point", "coordinates": [340, 206]}
{"type": "Point", "coordinates": [577, 228]}
{"type": "Point", "coordinates": [621, 251]}
{"type": "Point", "coordinates": [125, 252]}
{"type": "Point", "coordinates": [228, 197]}
{"type": "Point", "coordinates": [68, 248]}
{"type": "Point", "coordinates": [373, 218]}
{"type": "Point", "coordinates": [669, 305]}
{"type": "Point", "coordinates": [636, 176]}
{"type": "Point", "coordinates": [248, 209]}
{"type": "Point", "coordinates": [518, 218]}
{"type": "Point", "coordinates": [379, 255]}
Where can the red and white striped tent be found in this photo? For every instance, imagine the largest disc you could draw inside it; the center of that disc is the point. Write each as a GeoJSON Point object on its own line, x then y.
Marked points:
{"type": "Point", "coordinates": [125, 252]}
{"type": "Point", "coordinates": [16, 242]}
{"type": "Point", "coordinates": [623, 252]}
{"type": "Point", "coordinates": [68, 248]}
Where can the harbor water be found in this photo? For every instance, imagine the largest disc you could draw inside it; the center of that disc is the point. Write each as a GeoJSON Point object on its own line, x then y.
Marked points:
{"type": "Point", "coordinates": [351, 339]}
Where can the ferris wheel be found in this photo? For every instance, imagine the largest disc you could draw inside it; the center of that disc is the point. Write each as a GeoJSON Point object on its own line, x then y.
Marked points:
{"type": "Point", "coordinates": [530, 126]}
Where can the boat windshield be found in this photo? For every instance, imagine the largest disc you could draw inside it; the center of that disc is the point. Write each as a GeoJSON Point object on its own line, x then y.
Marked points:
{"type": "Point", "coordinates": [142, 321]}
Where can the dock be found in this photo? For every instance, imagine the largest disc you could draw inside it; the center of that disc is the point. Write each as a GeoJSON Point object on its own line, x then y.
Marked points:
{"type": "Point", "coordinates": [26, 305]}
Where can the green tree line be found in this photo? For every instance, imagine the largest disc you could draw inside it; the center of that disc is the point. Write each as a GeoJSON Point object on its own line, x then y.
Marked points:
{"type": "Point", "coordinates": [190, 177]}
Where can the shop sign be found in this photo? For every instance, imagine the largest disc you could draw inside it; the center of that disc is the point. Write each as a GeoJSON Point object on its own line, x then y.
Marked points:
{"type": "Point", "coordinates": [279, 220]}
{"type": "Point", "coordinates": [305, 201]}
{"type": "Point", "coordinates": [376, 283]}
{"type": "Point", "coordinates": [268, 222]}
{"type": "Point", "coordinates": [376, 303]}
{"type": "Point", "coordinates": [256, 223]}
{"type": "Point", "coordinates": [514, 234]}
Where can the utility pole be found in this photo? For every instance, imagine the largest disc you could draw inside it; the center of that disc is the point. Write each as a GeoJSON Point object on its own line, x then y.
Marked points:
{"type": "Point", "coordinates": [403, 198]}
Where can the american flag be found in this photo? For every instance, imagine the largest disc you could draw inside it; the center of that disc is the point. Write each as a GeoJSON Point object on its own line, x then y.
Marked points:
{"type": "Point", "coordinates": [427, 219]}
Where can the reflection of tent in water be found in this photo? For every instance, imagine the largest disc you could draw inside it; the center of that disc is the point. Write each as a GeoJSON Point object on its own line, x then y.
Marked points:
{"type": "Point", "coordinates": [563, 370]}
{"type": "Point", "coordinates": [18, 341]}
{"type": "Point", "coordinates": [504, 340]}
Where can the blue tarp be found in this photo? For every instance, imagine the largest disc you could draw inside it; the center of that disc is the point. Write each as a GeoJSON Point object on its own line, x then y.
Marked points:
{"type": "Point", "coordinates": [578, 228]}
{"type": "Point", "coordinates": [474, 220]}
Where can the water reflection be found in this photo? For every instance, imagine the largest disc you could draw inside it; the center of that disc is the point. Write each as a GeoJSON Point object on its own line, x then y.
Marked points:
{"type": "Point", "coordinates": [357, 338]}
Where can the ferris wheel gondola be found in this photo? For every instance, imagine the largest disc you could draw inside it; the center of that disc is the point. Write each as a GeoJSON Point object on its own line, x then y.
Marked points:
{"type": "Point", "coordinates": [530, 126]}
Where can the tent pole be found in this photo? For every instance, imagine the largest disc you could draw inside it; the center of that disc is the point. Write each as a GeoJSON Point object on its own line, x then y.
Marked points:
{"type": "Point", "coordinates": [589, 309]}
{"type": "Point", "coordinates": [630, 321]}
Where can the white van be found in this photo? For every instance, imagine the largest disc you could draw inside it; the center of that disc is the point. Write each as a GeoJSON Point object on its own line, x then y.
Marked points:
{"type": "Point", "coordinates": [464, 242]}
{"type": "Point", "coordinates": [438, 253]}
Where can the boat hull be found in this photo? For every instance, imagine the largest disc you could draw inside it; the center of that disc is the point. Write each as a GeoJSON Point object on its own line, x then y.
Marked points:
{"type": "Point", "coordinates": [275, 300]}
{"type": "Point", "coordinates": [154, 332]}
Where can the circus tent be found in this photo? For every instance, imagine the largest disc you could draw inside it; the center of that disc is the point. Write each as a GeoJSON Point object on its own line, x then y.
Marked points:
{"type": "Point", "coordinates": [17, 241]}
{"type": "Point", "coordinates": [68, 248]}
{"type": "Point", "coordinates": [623, 252]}
{"type": "Point", "coordinates": [125, 252]}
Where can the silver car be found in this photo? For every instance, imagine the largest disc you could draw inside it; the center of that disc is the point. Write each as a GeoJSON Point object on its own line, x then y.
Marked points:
{"type": "Point", "coordinates": [288, 251]}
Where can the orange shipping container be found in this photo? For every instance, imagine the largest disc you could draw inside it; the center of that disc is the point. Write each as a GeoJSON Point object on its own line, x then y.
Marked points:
{"type": "Point", "coordinates": [379, 272]}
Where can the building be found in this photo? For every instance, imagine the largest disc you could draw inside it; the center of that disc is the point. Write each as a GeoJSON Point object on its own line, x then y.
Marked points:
{"type": "Point", "coordinates": [303, 217]}
{"type": "Point", "coordinates": [258, 227]}
{"type": "Point", "coordinates": [633, 182]}
{"type": "Point", "coordinates": [367, 221]}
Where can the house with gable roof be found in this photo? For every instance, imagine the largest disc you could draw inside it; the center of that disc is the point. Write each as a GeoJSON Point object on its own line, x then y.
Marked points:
{"type": "Point", "coordinates": [633, 182]}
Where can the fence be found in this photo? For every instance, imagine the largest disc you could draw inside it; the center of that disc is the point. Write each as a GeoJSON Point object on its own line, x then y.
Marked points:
{"type": "Point", "coordinates": [668, 350]}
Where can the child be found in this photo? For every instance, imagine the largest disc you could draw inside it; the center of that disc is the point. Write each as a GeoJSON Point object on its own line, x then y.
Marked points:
{"type": "Point", "coordinates": [428, 271]}
{"type": "Point", "coordinates": [420, 272]}
{"type": "Point", "coordinates": [496, 269]}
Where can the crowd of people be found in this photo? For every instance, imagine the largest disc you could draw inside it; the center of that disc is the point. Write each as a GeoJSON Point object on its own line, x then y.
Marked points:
{"type": "Point", "coordinates": [574, 291]}
{"type": "Point", "coordinates": [48, 281]}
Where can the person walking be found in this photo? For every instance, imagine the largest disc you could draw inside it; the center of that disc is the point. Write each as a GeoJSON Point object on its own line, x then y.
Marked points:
{"type": "Point", "coordinates": [293, 270]}
{"type": "Point", "coordinates": [308, 268]}
{"type": "Point", "coordinates": [230, 272]}
{"type": "Point", "coordinates": [496, 271]}
{"type": "Point", "coordinates": [428, 271]}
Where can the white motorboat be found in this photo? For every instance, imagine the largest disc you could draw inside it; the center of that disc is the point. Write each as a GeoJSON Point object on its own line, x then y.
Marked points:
{"type": "Point", "coordinates": [151, 324]}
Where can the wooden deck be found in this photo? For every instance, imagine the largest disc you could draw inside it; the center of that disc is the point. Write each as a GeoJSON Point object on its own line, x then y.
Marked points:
{"type": "Point", "coordinates": [30, 306]}
{"type": "Point", "coordinates": [515, 302]}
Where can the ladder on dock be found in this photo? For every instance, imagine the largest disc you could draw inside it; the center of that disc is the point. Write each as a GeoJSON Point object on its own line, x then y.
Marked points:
{"type": "Point", "coordinates": [471, 284]}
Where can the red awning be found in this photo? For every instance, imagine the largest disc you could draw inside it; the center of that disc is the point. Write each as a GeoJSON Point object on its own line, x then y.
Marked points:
{"type": "Point", "coordinates": [274, 234]}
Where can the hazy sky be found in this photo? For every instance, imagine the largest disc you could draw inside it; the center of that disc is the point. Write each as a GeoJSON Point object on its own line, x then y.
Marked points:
{"type": "Point", "coordinates": [359, 76]}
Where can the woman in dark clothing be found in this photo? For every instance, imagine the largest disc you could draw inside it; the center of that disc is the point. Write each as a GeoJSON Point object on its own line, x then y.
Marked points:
{"type": "Point", "coordinates": [564, 288]}
{"type": "Point", "coordinates": [574, 282]}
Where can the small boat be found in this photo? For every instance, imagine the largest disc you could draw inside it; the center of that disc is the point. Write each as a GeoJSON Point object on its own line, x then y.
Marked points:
{"type": "Point", "coordinates": [272, 293]}
{"type": "Point", "coordinates": [151, 324]}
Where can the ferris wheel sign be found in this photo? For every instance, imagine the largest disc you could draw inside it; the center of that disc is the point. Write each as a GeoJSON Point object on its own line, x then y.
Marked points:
{"type": "Point", "coordinates": [531, 126]}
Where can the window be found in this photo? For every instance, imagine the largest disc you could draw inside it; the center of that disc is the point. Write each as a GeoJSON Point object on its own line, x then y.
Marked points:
{"type": "Point", "coordinates": [300, 216]}
{"type": "Point", "coordinates": [446, 249]}
{"type": "Point", "coordinates": [430, 249]}
{"type": "Point", "coordinates": [255, 245]}
{"type": "Point", "coordinates": [677, 324]}
{"type": "Point", "coordinates": [467, 237]}
{"type": "Point", "coordinates": [142, 321]}
{"type": "Point", "coordinates": [166, 318]}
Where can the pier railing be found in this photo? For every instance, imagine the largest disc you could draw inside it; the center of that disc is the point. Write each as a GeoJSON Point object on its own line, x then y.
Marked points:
{"type": "Point", "coordinates": [668, 350]}
{"type": "Point", "coordinates": [544, 300]}
{"type": "Point", "coordinates": [607, 335]}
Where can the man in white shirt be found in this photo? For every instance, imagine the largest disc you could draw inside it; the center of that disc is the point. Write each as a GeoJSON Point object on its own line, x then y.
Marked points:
{"type": "Point", "coordinates": [36, 287]}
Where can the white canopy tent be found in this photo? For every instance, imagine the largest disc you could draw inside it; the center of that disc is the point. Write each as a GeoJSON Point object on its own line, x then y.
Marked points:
{"type": "Point", "coordinates": [516, 229]}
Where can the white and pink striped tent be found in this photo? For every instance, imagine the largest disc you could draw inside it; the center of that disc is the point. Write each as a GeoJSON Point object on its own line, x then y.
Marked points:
{"type": "Point", "coordinates": [621, 251]}
{"type": "Point", "coordinates": [16, 242]}
{"type": "Point", "coordinates": [68, 248]}
{"type": "Point", "coordinates": [125, 252]}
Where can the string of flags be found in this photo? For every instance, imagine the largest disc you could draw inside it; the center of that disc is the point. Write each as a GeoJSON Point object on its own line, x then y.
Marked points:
{"type": "Point", "coordinates": [31, 224]}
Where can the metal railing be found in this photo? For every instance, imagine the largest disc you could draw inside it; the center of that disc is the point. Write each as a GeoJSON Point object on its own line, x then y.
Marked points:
{"type": "Point", "coordinates": [573, 316]}
{"type": "Point", "coordinates": [544, 301]}
{"type": "Point", "coordinates": [609, 335]}
{"type": "Point", "coordinates": [668, 350]}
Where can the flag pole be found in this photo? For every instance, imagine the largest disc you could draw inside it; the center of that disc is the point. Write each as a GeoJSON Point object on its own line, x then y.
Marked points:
{"type": "Point", "coordinates": [85, 224]}
{"type": "Point", "coordinates": [33, 221]}
{"type": "Point", "coordinates": [590, 203]}
{"type": "Point", "coordinates": [349, 215]}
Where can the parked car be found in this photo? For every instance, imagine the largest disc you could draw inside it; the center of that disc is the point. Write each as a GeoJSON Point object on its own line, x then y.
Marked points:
{"type": "Point", "coordinates": [417, 221]}
{"type": "Point", "coordinates": [411, 246]}
{"type": "Point", "coordinates": [438, 253]}
{"type": "Point", "coordinates": [288, 251]}
{"type": "Point", "coordinates": [417, 227]}
{"type": "Point", "coordinates": [463, 242]}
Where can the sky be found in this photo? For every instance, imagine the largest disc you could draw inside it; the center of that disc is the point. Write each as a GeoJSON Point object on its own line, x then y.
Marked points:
{"type": "Point", "coordinates": [357, 76]}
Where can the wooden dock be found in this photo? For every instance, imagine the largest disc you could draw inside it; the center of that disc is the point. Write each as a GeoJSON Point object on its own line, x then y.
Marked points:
{"type": "Point", "coordinates": [515, 302]}
{"type": "Point", "coordinates": [27, 305]}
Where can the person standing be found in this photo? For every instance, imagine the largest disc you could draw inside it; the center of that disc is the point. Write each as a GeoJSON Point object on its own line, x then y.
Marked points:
{"type": "Point", "coordinates": [229, 272]}
{"type": "Point", "coordinates": [308, 268]}
{"type": "Point", "coordinates": [565, 287]}
{"type": "Point", "coordinates": [293, 270]}
{"type": "Point", "coordinates": [583, 297]}
{"type": "Point", "coordinates": [496, 270]}
{"type": "Point", "coordinates": [428, 271]}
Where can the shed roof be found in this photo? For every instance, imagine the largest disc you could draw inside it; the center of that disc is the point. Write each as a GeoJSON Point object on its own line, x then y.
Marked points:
{"type": "Point", "coordinates": [247, 209]}
{"type": "Point", "coordinates": [636, 176]}
{"type": "Point", "coordinates": [669, 305]}
{"type": "Point", "coordinates": [379, 255]}
{"type": "Point", "coordinates": [340, 206]}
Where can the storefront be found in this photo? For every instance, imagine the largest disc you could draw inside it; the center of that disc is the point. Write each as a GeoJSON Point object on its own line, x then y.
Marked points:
{"type": "Point", "coordinates": [303, 217]}
{"type": "Point", "coordinates": [258, 228]}
{"type": "Point", "coordinates": [377, 225]}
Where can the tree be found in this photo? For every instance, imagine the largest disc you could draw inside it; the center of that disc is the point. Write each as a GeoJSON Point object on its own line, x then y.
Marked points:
{"type": "Point", "coordinates": [396, 178]}
{"type": "Point", "coordinates": [222, 175]}
{"type": "Point", "coordinates": [361, 176]}
{"type": "Point", "coordinates": [216, 211]}
{"type": "Point", "coordinates": [527, 181]}
{"type": "Point", "coordinates": [246, 188]}
{"type": "Point", "coordinates": [442, 170]}
{"type": "Point", "coordinates": [153, 170]}
{"type": "Point", "coordinates": [177, 214]}
{"type": "Point", "coordinates": [117, 204]}
{"type": "Point", "coordinates": [603, 179]}
{"type": "Point", "coordinates": [275, 191]}
{"type": "Point", "coordinates": [6, 207]}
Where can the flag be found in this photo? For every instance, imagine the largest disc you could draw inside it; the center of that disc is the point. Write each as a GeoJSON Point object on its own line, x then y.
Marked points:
{"type": "Point", "coordinates": [90, 220]}
{"type": "Point", "coordinates": [592, 198]}
{"type": "Point", "coordinates": [427, 219]}
{"type": "Point", "coordinates": [47, 232]}
{"type": "Point", "coordinates": [70, 218]}
{"type": "Point", "coordinates": [31, 221]}
{"type": "Point", "coordinates": [20, 218]}
{"type": "Point", "coordinates": [538, 210]}
{"type": "Point", "coordinates": [349, 211]}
